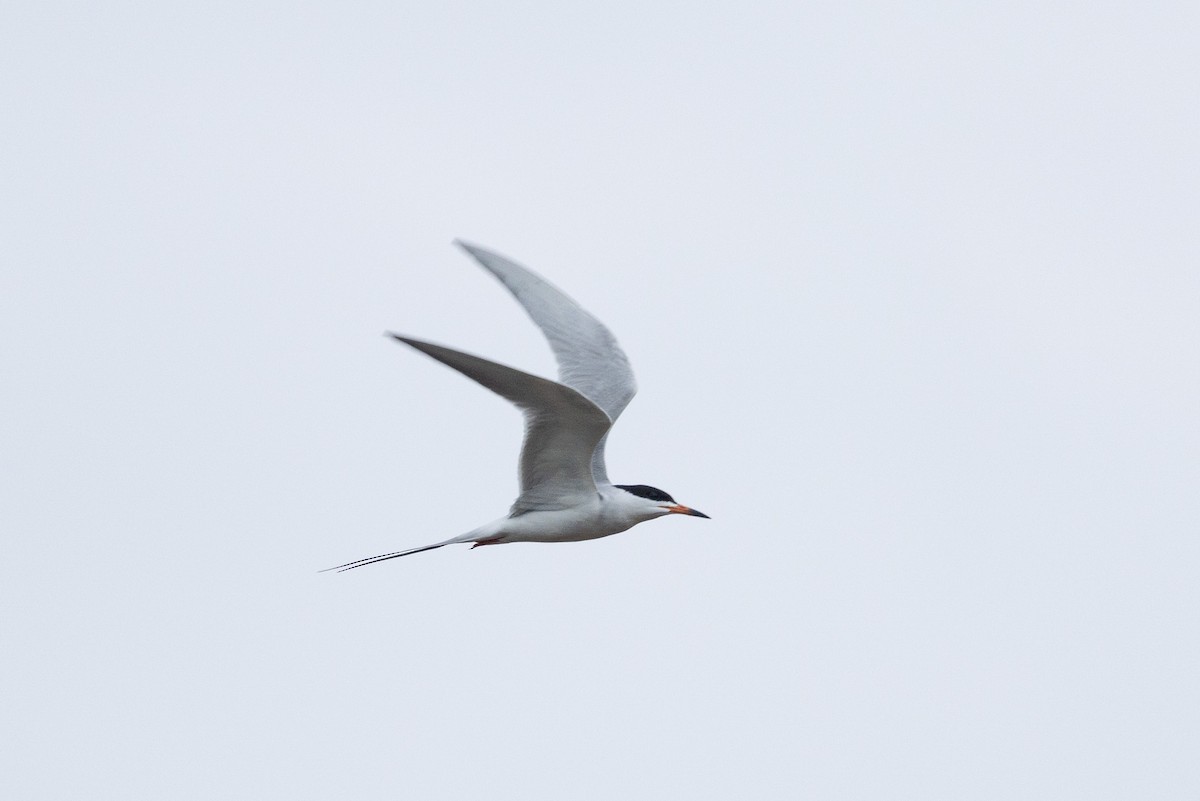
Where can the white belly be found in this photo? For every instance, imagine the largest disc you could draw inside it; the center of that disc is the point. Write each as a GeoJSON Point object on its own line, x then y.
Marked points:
{"type": "Point", "coordinates": [587, 522]}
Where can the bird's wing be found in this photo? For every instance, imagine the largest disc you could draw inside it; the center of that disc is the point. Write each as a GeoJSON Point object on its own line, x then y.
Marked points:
{"type": "Point", "coordinates": [589, 358]}
{"type": "Point", "coordinates": [562, 428]}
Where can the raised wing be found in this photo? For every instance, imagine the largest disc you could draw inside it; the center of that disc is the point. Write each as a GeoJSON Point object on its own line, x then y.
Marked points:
{"type": "Point", "coordinates": [589, 358]}
{"type": "Point", "coordinates": [562, 428]}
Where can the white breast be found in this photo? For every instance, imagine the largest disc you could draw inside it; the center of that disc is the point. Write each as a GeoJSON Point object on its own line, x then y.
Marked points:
{"type": "Point", "coordinates": [603, 515]}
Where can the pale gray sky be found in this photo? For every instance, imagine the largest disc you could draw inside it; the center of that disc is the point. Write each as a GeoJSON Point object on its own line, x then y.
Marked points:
{"type": "Point", "coordinates": [912, 295]}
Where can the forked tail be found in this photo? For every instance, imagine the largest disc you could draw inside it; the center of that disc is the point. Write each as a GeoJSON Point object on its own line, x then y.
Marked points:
{"type": "Point", "coordinates": [479, 536]}
{"type": "Point", "coordinates": [382, 558]}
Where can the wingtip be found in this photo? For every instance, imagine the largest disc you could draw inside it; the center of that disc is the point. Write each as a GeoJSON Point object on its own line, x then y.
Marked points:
{"type": "Point", "coordinates": [481, 254]}
{"type": "Point", "coordinates": [419, 344]}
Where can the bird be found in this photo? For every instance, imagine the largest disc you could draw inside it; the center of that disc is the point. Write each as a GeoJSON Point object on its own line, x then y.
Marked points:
{"type": "Point", "coordinates": [565, 494]}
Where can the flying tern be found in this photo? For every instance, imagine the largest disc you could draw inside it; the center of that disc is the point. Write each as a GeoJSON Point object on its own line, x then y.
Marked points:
{"type": "Point", "coordinates": [565, 492]}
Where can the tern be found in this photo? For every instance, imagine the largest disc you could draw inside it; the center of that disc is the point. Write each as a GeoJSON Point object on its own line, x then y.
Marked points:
{"type": "Point", "coordinates": [565, 492]}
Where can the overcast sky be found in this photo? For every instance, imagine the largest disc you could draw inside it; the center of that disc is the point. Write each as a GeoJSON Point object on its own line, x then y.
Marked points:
{"type": "Point", "coordinates": [911, 291]}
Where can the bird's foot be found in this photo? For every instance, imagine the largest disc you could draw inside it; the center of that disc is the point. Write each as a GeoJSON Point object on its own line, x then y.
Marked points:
{"type": "Point", "coordinates": [492, 541]}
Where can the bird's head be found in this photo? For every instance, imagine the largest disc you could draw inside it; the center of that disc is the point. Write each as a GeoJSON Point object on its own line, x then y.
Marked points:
{"type": "Point", "coordinates": [653, 502]}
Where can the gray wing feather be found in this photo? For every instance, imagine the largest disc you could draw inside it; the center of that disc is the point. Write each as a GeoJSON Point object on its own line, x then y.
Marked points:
{"type": "Point", "coordinates": [589, 358]}
{"type": "Point", "coordinates": [562, 428]}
